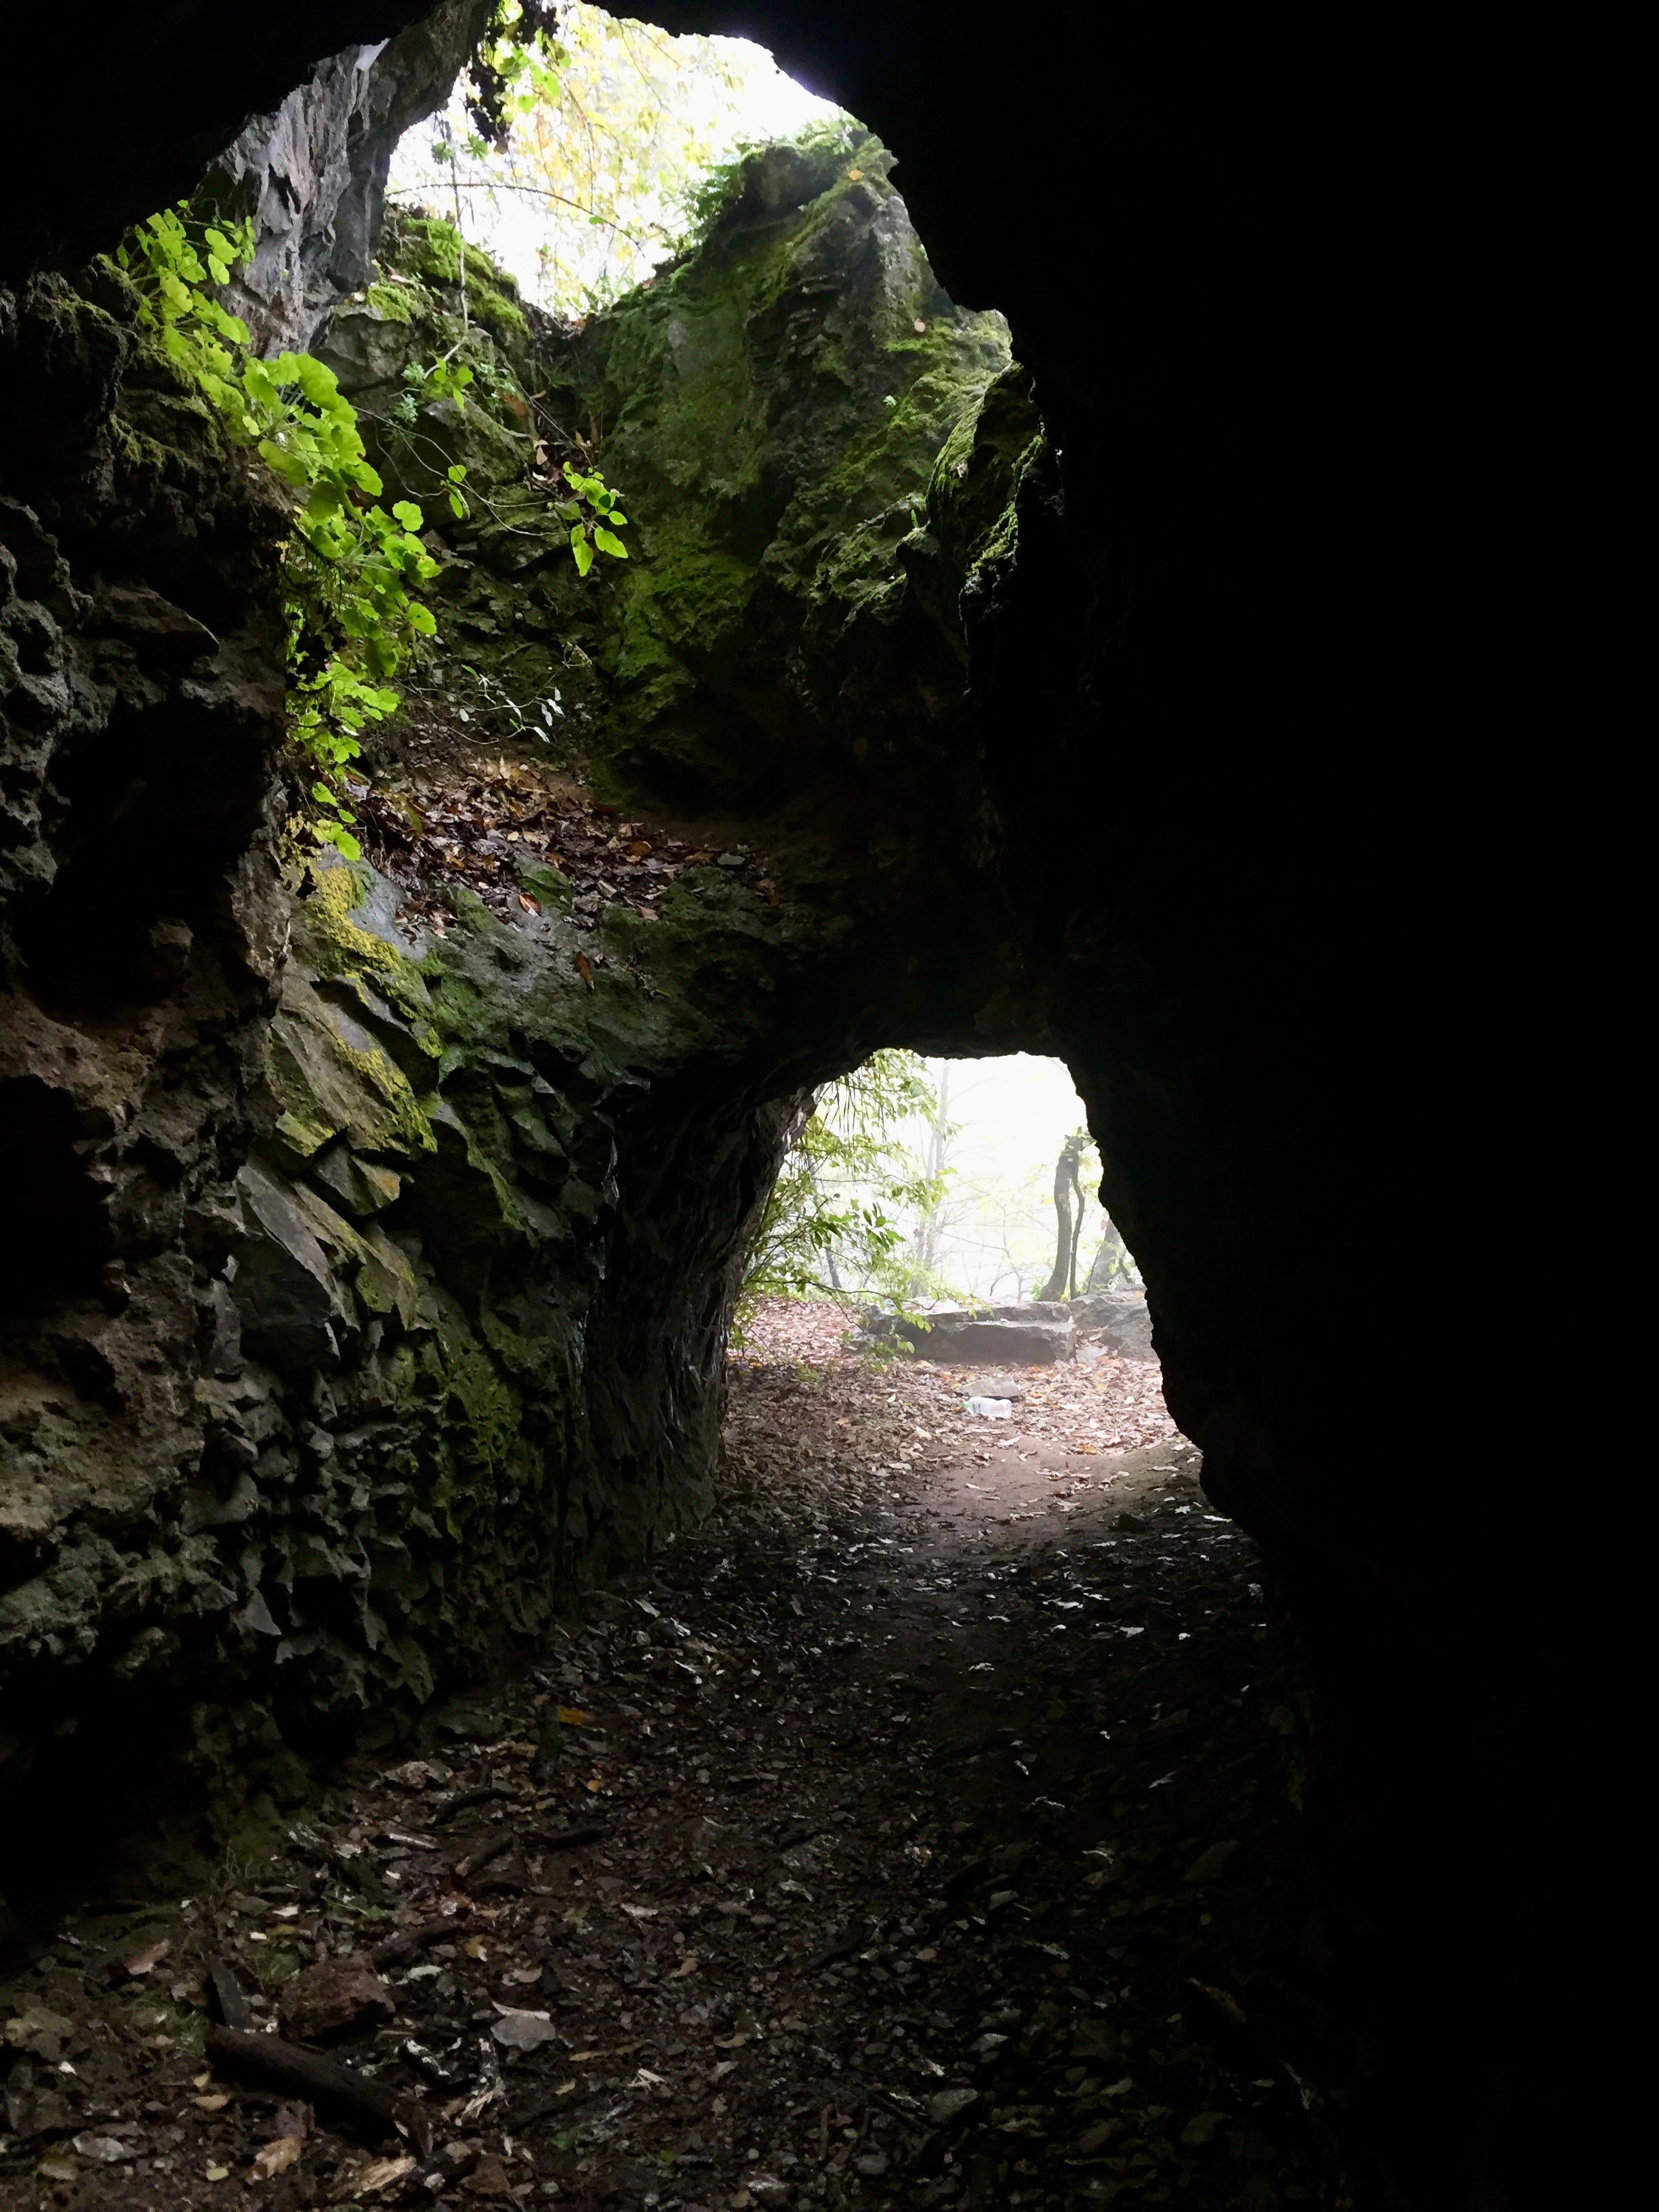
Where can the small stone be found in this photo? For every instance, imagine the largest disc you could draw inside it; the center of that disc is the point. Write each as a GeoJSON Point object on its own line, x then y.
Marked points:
{"type": "Point", "coordinates": [1208, 1864]}
{"type": "Point", "coordinates": [524, 2030]}
{"type": "Point", "coordinates": [872, 2163]}
{"type": "Point", "coordinates": [949, 2105]}
{"type": "Point", "coordinates": [107, 2150]}
{"type": "Point", "coordinates": [335, 1997]}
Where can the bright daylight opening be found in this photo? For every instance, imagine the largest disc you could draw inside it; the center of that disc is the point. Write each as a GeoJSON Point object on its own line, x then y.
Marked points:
{"type": "Point", "coordinates": [596, 170]}
{"type": "Point", "coordinates": [925, 1185]}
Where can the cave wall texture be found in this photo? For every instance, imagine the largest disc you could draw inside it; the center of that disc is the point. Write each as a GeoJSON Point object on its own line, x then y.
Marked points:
{"type": "Point", "coordinates": [1140, 707]}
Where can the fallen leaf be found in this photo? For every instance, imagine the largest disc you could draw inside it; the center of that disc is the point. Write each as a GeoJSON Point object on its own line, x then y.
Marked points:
{"type": "Point", "coordinates": [585, 969]}
{"type": "Point", "coordinates": [574, 1716]}
{"type": "Point", "coordinates": [144, 1962]}
{"type": "Point", "coordinates": [688, 1965]}
{"type": "Point", "coordinates": [474, 1947]}
{"type": "Point", "coordinates": [276, 2157]}
{"type": "Point", "coordinates": [528, 904]}
{"type": "Point", "coordinates": [214, 2104]}
{"type": "Point", "coordinates": [218, 2174]}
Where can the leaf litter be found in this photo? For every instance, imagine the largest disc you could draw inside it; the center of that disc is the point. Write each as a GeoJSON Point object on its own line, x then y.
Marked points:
{"type": "Point", "coordinates": [852, 1857]}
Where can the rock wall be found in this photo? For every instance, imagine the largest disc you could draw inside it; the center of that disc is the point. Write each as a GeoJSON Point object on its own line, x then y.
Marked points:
{"type": "Point", "coordinates": [311, 175]}
{"type": "Point", "coordinates": [386, 1300]}
{"type": "Point", "coordinates": [1231, 736]}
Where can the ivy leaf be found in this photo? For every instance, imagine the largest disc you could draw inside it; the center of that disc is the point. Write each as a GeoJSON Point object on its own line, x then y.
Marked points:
{"type": "Point", "coordinates": [407, 513]}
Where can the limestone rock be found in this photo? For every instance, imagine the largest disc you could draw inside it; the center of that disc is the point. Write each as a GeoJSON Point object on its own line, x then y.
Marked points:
{"type": "Point", "coordinates": [292, 1309]}
{"type": "Point", "coordinates": [1021, 1336]}
{"type": "Point", "coordinates": [1122, 1318]}
{"type": "Point", "coordinates": [312, 174]}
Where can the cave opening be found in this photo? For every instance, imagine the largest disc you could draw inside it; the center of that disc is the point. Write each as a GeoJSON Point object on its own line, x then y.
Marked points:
{"type": "Point", "coordinates": [846, 648]}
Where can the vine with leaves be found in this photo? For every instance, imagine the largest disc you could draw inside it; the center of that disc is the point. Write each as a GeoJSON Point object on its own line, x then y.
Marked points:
{"type": "Point", "coordinates": [355, 571]}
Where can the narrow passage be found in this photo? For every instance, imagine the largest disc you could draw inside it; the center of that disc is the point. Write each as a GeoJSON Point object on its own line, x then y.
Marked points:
{"type": "Point", "coordinates": [919, 1834]}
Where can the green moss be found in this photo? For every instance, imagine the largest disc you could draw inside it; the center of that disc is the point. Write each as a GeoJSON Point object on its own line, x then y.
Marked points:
{"type": "Point", "coordinates": [428, 247]}
{"type": "Point", "coordinates": [394, 303]}
{"type": "Point", "coordinates": [323, 1085]}
{"type": "Point", "coordinates": [335, 945]}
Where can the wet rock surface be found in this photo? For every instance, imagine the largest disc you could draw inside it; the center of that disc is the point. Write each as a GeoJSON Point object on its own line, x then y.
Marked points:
{"type": "Point", "coordinates": [918, 1834]}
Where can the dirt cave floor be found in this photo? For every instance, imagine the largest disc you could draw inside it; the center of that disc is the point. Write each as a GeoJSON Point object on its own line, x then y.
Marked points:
{"type": "Point", "coordinates": [921, 1833]}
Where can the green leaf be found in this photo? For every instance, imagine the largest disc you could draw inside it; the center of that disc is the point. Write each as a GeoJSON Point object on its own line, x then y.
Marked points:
{"type": "Point", "coordinates": [407, 513]}
{"type": "Point", "coordinates": [458, 506]}
{"type": "Point", "coordinates": [457, 473]}
{"type": "Point", "coordinates": [331, 833]}
{"type": "Point", "coordinates": [609, 543]}
{"type": "Point", "coordinates": [582, 550]}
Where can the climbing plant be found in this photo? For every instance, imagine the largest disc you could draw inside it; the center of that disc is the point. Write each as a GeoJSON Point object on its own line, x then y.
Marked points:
{"type": "Point", "coordinates": [354, 570]}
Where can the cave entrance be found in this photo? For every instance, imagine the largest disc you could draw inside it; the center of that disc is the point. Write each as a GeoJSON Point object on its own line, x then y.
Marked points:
{"type": "Point", "coordinates": [940, 1184]}
{"type": "Point", "coordinates": [595, 174]}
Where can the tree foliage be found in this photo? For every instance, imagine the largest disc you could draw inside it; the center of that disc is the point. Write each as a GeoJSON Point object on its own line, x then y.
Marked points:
{"type": "Point", "coordinates": [830, 1229]}
{"type": "Point", "coordinates": [353, 571]}
{"type": "Point", "coordinates": [583, 143]}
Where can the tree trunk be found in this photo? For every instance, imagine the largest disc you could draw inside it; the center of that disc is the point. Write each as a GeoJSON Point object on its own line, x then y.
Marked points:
{"type": "Point", "coordinates": [1067, 1188]}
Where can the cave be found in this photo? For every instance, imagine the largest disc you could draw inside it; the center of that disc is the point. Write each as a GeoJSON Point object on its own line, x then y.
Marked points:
{"type": "Point", "coordinates": [1044, 672]}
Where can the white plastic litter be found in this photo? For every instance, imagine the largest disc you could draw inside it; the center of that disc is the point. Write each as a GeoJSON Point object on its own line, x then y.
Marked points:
{"type": "Point", "coordinates": [993, 1409]}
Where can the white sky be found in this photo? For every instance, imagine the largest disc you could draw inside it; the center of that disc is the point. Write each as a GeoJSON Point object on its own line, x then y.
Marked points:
{"type": "Point", "coordinates": [729, 92]}
{"type": "Point", "coordinates": [1015, 1114]}
{"type": "Point", "coordinates": [1000, 1228]}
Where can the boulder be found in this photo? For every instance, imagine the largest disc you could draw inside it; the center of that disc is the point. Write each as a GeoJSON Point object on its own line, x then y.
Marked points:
{"type": "Point", "coordinates": [1122, 1318]}
{"type": "Point", "coordinates": [1017, 1336]}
